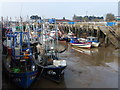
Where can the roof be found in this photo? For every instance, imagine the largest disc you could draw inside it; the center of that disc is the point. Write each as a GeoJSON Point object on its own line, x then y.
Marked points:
{"type": "Point", "coordinates": [77, 20]}
{"type": "Point", "coordinates": [92, 37]}
{"type": "Point", "coordinates": [63, 20]}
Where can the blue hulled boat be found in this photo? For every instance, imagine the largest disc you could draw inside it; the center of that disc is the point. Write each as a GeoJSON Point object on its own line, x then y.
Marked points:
{"type": "Point", "coordinates": [77, 43]}
{"type": "Point", "coordinates": [18, 62]}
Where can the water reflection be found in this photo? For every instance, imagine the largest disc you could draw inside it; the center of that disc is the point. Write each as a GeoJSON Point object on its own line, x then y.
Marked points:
{"type": "Point", "coordinates": [96, 56]}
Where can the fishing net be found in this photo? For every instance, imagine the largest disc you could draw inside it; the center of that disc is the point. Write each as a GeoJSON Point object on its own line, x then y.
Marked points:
{"type": "Point", "coordinates": [15, 70]}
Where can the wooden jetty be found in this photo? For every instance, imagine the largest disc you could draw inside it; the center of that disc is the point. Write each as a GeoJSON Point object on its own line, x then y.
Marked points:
{"type": "Point", "coordinates": [108, 32]}
{"type": "Point", "coordinates": [111, 35]}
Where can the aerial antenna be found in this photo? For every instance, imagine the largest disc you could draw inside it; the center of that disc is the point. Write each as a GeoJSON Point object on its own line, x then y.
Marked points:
{"type": "Point", "coordinates": [21, 10]}
{"type": "Point", "coordinates": [10, 21]}
{"type": "Point", "coordinates": [27, 18]}
{"type": "Point", "coordinates": [2, 21]}
{"type": "Point", "coordinates": [86, 13]}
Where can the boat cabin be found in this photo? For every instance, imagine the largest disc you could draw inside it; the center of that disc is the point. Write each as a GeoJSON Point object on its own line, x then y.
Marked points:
{"type": "Point", "coordinates": [92, 39]}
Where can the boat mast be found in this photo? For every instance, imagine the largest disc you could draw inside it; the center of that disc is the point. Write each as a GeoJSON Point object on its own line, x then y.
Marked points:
{"type": "Point", "coordinates": [21, 31]}
{"type": "Point", "coordinates": [42, 31]}
{"type": "Point", "coordinates": [28, 36]}
{"type": "Point", "coordinates": [56, 41]}
{"type": "Point", "coordinates": [10, 33]}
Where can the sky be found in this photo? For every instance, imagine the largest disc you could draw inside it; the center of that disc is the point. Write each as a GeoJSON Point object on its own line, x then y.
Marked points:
{"type": "Point", "coordinates": [57, 9]}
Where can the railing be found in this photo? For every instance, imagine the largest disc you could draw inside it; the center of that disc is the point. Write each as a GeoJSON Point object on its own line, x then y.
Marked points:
{"type": "Point", "coordinates": [113, 33]}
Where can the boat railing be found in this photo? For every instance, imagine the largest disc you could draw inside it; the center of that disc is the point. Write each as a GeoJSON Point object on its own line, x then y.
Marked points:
{"type": "Point", "coordinates": [23, 55]}
{"type": "Point", "coordinates": [92, 41]}
{"type": "Point", "coordinates": [20, 32]}
{"type": "Point", "coordinates": [26, 55]}
{"type": "Point", "coordinates": [11, 35]}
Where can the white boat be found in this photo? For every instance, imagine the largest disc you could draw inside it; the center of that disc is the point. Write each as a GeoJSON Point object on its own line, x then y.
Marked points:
{"type": "Point", "coordinates": [75, 42]}
{"type": "Point", "coordinates": [95, 44]}
{"type": "Point", "coordinates": [93, 40]}
{"type": "Point", "coordinates": [71, 35]}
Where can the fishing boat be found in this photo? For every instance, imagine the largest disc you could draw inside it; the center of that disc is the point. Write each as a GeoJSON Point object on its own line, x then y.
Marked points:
{"type": "Point", "coordinates": [54, 32]}
{"type": "Point", "coordinates": [70, 35]}
{"type": "Point", "coordinates": [77, 43]}
{"type": "Point", "coordinates": [33, 30]}
{"type": "Point", "coordinates": [18, 62]}
{"type": "Point", "coordinates": [94, 40]}
{"type": "Point", "coordinates": [46, 56]}
{"type": "Point", "coordinates": [6, 41]}
{"type": "Point", "coordinates": [67, 37]}
{"type": "Point", "coordinates": [50, 65]}
{"type": "Point", "coordinates": [63, 38]}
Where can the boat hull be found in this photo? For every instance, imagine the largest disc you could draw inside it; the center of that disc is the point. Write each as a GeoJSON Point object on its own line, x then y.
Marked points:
{"type": "Point", "coordinates": [94, 40]}
{"type": "Point", "coordinates": [55, 74]}
{"type": "Point", "coordinates": [81, 45]}
{"type": "Point", "coordinates": [64, 39]}
{"type": "Point", "coordinates": [21, 79]}
{"type": "Point", "coordinates": [53, 70]}
{"type": "Point", "coordinates": [95, 44]}
{"type": "Point", "coordinates": [24, 80]}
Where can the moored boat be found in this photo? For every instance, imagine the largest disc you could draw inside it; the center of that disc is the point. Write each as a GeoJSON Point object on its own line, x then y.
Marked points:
{"type": "Point", "coordinates": [45, 55]}
{"type": "Point", "coordinates": [76, 42]}
{"type": "Point", "coordinates": [18, 62]}
{"type": "Point", "coordinates": [94, 40]}
{"type": "Point", "coordinates": [67, 37]}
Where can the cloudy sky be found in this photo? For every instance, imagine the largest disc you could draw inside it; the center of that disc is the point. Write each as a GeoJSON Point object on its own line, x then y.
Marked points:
{"type": "Point", "coordinates": [57, 8]}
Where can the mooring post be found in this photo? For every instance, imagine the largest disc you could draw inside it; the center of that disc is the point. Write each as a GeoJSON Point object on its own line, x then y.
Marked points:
{"type": "Point", "coordinates": [78, 31]}
{"type": "Point", "coordinates": [65, 28]}
{"type": "Point", "coordinates": [82, 30]}
{"type": "Point", "coordinates": [98, 33]}
{"type": "Point", "coordinates": [106, 41]}
{"type": "Point", "coordinates": [68, 28]}
{"type": "Point", "coordinates": [72, 29]}
{"type": "Point", "coordinates": [87, 29]}
{"type": "Point", "coordinates": [92, 31]}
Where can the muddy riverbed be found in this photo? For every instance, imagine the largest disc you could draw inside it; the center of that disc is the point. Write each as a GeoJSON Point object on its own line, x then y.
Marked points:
{"type": "Point", "coordinates": [94, 68]}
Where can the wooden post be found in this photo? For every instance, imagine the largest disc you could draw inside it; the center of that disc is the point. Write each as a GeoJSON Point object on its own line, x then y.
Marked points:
{"type": "Point", "coordinates": [82, 31]}
{"type": "Point", "coordinates": [66, 29]}
{"type": "Point", "coordinates": [78, 31]}
{"type": "Point", "coordinates": [93, 32]}
{"type": "Point", "coordinates": [106, 41]}
{"type": "Point", "coordinates": [72, 29]}
{"type": "Point", "coordinates": [98, 33]}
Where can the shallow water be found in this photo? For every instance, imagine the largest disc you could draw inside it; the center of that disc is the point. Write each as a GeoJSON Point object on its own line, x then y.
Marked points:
{"type": "Point", "coordinates": [100, 56]}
